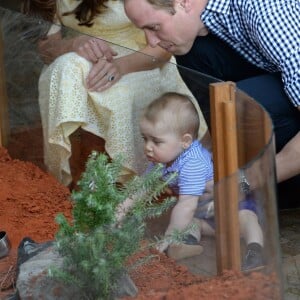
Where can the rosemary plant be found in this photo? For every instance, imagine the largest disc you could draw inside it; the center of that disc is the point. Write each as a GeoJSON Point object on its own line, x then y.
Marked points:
{"type": "Point", "coordinates": [93, 247]}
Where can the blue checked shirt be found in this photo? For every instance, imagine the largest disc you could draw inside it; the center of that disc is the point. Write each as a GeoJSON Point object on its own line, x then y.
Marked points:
{"type": "Point", "coordinates": [194, 167]}
{"type": "Point", "coordinates": [265, 32]}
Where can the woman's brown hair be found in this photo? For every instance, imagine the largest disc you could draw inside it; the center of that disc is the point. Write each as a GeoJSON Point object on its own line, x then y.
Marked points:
{"type": "Point", "coordinates": [85, 12]}
{"type": "Point", "coordinates": [44, 9]}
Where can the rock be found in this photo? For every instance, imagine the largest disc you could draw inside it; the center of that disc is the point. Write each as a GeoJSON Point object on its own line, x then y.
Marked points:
{"type": "Point", "coordinates": [126, 287]}
{"type": "Point", "coordinates": [33, 281]}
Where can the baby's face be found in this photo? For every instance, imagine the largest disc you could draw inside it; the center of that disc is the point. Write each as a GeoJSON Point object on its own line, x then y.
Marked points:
{"type": "Point", "coordinates": [161, 145]}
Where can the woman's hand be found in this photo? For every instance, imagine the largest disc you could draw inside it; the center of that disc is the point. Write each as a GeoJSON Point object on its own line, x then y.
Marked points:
{"type": "Point", "coordinates": [106, 73]}
{"type": "Point", "coordinates": [49, 48]}
{"type": "Point", "coordinates": [103, 75]}
{"type": "Point", "coordinates": [93, 49]}
{"type": "Point", "coordinates": [90, 48]}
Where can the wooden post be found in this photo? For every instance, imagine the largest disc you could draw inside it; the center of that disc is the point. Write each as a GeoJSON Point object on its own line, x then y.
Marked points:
{"type": "Point", "coordinates": [4, 121]}
{"type": "Point", "coordinates": [225, 155]}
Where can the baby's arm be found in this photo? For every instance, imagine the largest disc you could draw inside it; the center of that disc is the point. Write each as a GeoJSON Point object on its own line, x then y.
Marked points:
{"type": "Point", "coordinates": [181, 216]}
{"type": "Point", "coordinates": [123, 208]}
{"type": "Point", "coordinates": [208, 193]}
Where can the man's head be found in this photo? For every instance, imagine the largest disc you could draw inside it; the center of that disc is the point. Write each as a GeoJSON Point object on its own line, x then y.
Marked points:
{"type": "Point", "coordinates": [171, 24]}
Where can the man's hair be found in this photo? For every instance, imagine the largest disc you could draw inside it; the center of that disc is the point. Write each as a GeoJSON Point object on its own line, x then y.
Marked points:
{"type": "Point", "coordinates": [167, 5]}
{"type": "Point", "coordinates": [176, 111]}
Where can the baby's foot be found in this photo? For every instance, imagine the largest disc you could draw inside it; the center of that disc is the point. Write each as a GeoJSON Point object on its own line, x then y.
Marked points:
{"type": "Point", "coordinates": [181, 251]}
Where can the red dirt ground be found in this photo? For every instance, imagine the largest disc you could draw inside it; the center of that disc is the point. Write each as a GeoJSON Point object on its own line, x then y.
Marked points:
{"type": "Point", "coordinates": [29, 202]}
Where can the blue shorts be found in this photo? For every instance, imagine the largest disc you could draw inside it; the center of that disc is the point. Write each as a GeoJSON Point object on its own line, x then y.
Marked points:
{"type": "Point", "coordinates": [248, 203]}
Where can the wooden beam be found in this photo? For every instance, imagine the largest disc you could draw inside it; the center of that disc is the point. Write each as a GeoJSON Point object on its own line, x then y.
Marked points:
{"type": "Point", "coordinates": [225, 156]}
{"type": "Point", "coordinates": [4, 120]}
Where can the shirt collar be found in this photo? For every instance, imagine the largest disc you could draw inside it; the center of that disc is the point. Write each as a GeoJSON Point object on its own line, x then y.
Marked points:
{"type": "Point", "coordinates": [175, 165]}
{"type": "Point", "coordinates": [219, 6]}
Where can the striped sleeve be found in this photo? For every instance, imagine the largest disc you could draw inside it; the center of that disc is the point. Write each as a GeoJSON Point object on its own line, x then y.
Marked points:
{"type": "Point", "coordinates": [193, 177]}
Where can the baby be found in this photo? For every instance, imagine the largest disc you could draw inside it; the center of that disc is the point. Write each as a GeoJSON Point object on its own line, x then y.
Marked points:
{"type": "Point", "coordinates": [169, 127]}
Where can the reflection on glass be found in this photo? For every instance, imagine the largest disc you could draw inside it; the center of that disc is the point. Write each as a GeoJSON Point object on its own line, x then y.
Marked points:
{"type": "Point", "coordinates": [57, 118]}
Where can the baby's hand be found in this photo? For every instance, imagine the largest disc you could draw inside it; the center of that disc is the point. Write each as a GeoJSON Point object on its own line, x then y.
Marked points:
{"type": "Point", "coordinates": [162, 245]}
{"type": "Point", "coordinates": [210, 210]}
{"type": "Point", "coordinates": [122, 210]}
{"type": "Point", "coordinates": [120, 214]}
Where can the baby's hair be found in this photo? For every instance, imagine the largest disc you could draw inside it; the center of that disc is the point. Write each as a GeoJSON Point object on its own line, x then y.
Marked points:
{"type": "Point", "coordinates": [176, 111]}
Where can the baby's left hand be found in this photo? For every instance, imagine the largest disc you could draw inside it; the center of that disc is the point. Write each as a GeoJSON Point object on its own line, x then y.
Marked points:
{"type": "Point", "coordinates": [162, 245]}
{"type": "Point", "coordinates": [208, 192]}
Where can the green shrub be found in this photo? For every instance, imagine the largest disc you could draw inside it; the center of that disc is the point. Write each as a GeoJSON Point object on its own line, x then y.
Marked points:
{"type": "Point", "coordinates": [94, 248]}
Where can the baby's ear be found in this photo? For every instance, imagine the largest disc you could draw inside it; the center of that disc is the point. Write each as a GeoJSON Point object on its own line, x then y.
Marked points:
{"type": "Point", "coordinates": [187, 140]}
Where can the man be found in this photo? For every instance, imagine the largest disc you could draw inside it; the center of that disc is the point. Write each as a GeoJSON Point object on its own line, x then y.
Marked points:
{"type": "Point", "coordinates": [255, 43]}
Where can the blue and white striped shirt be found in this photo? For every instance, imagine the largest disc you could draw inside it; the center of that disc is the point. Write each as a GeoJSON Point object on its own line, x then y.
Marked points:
{"type": "Point", "coordinates": [265, 32]}
{"type": "Point", "coordinates": [194, 167]}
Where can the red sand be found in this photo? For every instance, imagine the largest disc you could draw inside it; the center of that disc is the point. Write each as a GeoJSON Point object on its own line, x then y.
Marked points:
{"type": "Point", "coordinates": [29, 202]}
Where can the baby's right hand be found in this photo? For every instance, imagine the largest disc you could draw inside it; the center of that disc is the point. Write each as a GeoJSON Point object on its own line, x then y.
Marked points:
{"type": "Point", "coordinates": [120, 214]}
{"type": "Point", "coordinates": [122, 209]}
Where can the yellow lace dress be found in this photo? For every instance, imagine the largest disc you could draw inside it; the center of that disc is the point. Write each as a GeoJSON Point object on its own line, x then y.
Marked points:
{"type": "Point", "coordinates": [66, 104]}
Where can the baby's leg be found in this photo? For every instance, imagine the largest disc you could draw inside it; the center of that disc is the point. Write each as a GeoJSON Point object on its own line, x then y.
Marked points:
{"type": "Point", "coordinates": [195, 234]}
{"type": "Point", "coordinates": [206, 228]}
{"type": "Point", "coordinates": [190, 246]}
{"type": "Point", "coordinates": [250, 229]}
{"type": "Point", "coordinates": [200, 227]}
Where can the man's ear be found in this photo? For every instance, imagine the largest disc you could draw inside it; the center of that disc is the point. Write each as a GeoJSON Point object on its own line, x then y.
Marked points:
{"type": "Point", "coordinates": [187, 140]}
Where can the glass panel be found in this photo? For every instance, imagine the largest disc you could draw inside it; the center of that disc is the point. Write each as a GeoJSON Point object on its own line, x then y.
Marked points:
{"type": "Point", "coordinates": [77, 121]}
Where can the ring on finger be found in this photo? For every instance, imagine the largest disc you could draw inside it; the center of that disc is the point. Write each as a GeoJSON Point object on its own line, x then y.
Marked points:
{"type": "Point", "coordinates": [111, 78]}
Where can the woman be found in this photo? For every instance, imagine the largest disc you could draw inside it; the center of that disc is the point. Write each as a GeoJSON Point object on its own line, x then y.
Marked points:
{"type": "Point", "coordinates": [97, 85]}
